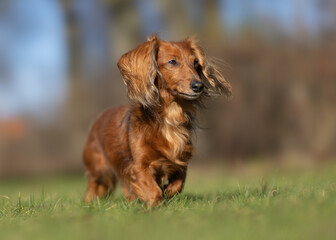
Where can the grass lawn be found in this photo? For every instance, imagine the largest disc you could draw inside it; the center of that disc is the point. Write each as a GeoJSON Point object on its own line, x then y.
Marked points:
{"type": "Point", "coordinates": [217, 204]}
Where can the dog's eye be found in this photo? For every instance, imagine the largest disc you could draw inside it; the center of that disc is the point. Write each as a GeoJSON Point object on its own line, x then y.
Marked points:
{"type": "Point", "coordinates": [172, 62]}
{"type": "Point", "coordinates": [196, 62]}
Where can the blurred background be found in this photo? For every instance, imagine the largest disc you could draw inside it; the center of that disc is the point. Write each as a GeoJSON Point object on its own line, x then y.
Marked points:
{"type": "Point", "coordinates": [58, 72]}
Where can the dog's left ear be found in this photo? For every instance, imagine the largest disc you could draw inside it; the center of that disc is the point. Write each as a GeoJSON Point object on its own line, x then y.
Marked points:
{"type": "Point", "coordinates": [214, 81]}
{"type": "Point", "coordinates": [139, 70]}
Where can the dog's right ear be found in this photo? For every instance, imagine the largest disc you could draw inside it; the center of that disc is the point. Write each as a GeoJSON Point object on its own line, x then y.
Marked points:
{"type": "Point", "coordinates": [138, 68]}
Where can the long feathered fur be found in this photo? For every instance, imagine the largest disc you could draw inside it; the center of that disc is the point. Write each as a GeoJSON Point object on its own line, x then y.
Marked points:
{"type": "Point", "coordinates": [147, 144]}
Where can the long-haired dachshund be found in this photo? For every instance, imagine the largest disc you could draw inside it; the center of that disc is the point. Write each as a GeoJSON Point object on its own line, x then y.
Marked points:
{"type": "Point", "coordinates": [147, 144]}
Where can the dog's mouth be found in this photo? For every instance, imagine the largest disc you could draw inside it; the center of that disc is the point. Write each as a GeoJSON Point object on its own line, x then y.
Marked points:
{"type": "Point", "coordinates": [189, 96]}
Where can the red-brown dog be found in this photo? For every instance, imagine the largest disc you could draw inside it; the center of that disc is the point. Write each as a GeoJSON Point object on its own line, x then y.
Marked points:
{"type": "Point", "coordinates": [147, 145]}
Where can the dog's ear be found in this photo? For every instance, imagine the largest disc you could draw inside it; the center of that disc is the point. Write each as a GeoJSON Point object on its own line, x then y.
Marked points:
{"type": "Point", "coordinates": [213, 79]}
{"type": "Point", "coordinates": [139, 70]}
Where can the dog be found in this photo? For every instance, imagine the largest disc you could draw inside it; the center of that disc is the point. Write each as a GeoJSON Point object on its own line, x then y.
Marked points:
{"type": "Point", "coordinates": [147, 144]}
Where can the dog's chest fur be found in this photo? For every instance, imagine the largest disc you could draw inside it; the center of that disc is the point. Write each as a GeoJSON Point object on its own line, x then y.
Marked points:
{"type": "Point", "coordinates": [175, 132]}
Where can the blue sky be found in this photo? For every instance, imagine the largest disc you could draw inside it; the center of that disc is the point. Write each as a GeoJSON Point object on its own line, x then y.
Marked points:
{"type": "Point", "coordinates": [285, 12]}
{"type": "Point", "coordinates": [33, 47]}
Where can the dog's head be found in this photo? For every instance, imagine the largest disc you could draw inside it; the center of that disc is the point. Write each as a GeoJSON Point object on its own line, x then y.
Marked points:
{"type": "Point", "coordinates": [180, 68]}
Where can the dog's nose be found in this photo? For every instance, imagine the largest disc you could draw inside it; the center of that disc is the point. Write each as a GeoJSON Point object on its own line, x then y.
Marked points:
{"type": "Point", "coordinates": [197, 86]}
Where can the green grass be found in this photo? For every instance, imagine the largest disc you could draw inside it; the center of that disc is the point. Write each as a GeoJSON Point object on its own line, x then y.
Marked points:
{"type": "Point", "coordinates": [214, 205]}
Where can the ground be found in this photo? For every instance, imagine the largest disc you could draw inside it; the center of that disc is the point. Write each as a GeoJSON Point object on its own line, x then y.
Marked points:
{"type": "Point", "coordinates": [216, 204]}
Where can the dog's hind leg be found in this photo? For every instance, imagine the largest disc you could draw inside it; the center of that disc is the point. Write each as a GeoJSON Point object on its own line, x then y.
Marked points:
{"type": "Point", "coordinates": [94, 190]}
{"type": "Point", "coordinates": [102, 179]}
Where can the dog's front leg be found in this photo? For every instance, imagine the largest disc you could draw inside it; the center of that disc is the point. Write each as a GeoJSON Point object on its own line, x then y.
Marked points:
{"type": "Point", "coordinates": [146, 188]}
{"type": "Point", "coordinates": [176, 184]}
